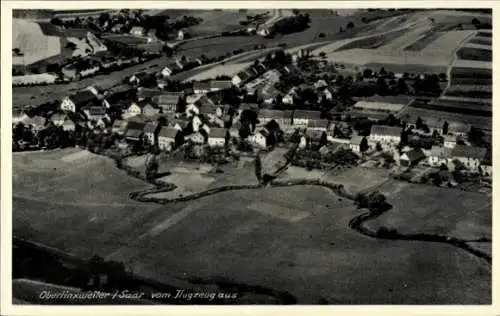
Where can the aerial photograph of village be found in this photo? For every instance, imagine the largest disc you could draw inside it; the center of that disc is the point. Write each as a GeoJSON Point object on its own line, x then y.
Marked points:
{"type": "Point", "coordinates": [252, 156]}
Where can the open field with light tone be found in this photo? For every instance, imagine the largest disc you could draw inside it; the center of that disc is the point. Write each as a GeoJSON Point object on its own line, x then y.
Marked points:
{"type": "Point", "coordinates": [28, 37]}
{"type": "Point", "coordinates": [431, 210]}
{"type": "Point", "coordinates": [219, 70]}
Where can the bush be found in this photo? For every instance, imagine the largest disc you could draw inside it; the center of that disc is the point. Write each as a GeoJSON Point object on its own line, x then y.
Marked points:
{"type": "Point", "coordinates": [350, 25]}
{"type": "Point", "coordinates": [320, 35]}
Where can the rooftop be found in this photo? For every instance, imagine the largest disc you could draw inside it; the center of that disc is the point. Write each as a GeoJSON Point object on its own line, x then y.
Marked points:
{"type": "Point", "coordinates": [83, 97]}
{"type": "Point", "coordinates": [462, 151]}
{"type": "Point", "coordinates": [386, 130]}
{"type": "Point", "coordinates": [217, 132]}
{"type": "Point", "coordinates": [266, 113]}
{"type": "Point", "coordinates": [168, 132]}
{"type": "Point", "coordinates": [306, 114]}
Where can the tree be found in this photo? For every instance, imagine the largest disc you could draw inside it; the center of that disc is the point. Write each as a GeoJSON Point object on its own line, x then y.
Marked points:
{"type": "Point", "coordinates": [418, 123]}
{"type": "Point", "coordinates": [382, 72]}
{"type": "Point", "coordinates": [475, 136]}
{"type": "Point", "coordinates": [363, 145]}
{"type": "Point", "coordinates": [367, 73]}
{"type": "Point", "coordinates": [382, 88]}
{"type": "Point", "coordinates": [57, 21]}
{"type": "Point", "coordinates": [378, 147]}
{"type": "Point", "coordinates": [475, 21]}
{"type": "Point", "coordinates": [445, 128]}
{"type": "Point", "coordinates": [350, 25]}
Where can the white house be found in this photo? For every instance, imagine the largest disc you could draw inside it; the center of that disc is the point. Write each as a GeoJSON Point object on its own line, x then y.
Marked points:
{"type": "Point", "coordinates": [133, 110]}
{"type": "Point", "coordinates": [240, 78]}
{"type": "Point", "coordinates": [259, 139]}
{"type": "Point", "coordinates": [450, 141]}
{"type": "Point", "coordinates": [354, 143]}
{"type": "Point", "coordinates": [137, 31]}
{"type": "Point", "coordinates": [197, 123]}
{"type": "Point", "coordinates": [217, 137]}
{"type": "Point", "coordinates": [321, 125]}
{"type": "Point", "coordinates": [180, 35]}
{"type": "Point", "coordinates": [75, 102]}
{"type": "Point", "coordinates": [411, 158]}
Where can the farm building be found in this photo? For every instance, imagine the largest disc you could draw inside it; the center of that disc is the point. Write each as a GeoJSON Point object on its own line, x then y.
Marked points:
{"type": "Point", "coordinates": [283, 118]}
{"type": "Point", "coordinates": [119, 127]}
{"type": "Point", "coordinates": [268, 93]}
{"type": "Point", "coordinates": [385, 134]}
{"type": "Point", "coordinates": [301, 118]}
{"type": "Point", "coordinates": [470, 156]}
{"type": "Point", "coordinates": [321, 125]}
{"type": "Point", "coordinates": [75, 102]}
{"type": "Point", "coordinates": [143, 108]}
{"type": "Point", "coordinates": [134, 130]}
{"type": "Point", "coordinates": [151, 130]}
{"type": "Point", "coordinates": [379, 106]}
{"type": "Point", "coordinates": [411, 158]}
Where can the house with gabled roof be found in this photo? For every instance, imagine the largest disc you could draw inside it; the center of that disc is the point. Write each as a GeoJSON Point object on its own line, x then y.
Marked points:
{"type": "Point", "coordinates": [137, 31]}
{"type": "Point", "coordinates": [168, 138]}
{"type": "Point", "coordinates": [151, 130]}
{"type": "Point", "coordinates": [167, 101]}
{"type": "Point", "coordinates": [438, 156]}
{"type": "Point", "coordinates": [217, 137]}
{"type": "Point", "coordinates": [134, 130]}
{"type": "Point", "coordinates": [411, 158]}
{"type": "Point", "coordinates": [283, 118]}
{"type": "Point", "coordinates": [385, 134]}
{"type": "Point", "coordinates": [75, 102]}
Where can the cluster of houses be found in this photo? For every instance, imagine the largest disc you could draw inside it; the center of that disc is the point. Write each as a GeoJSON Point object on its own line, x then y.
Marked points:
{"type": "Point", "coordinates": [471, 157]}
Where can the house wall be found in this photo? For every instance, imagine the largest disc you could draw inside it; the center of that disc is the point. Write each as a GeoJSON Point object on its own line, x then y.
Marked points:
{"type": "Point", "coordinates": [487, 170]}
{"type": "Point", "coordinates": [216, 142]}
{"type": "Point", "coordinates": [236, 80]}
{"type": "Point", "coordinates": [385, 139]}
{"type": "Point", "coordinates": [132, 111]}
{"type": "Point", "coordinates": [436, 161]}
{"type": "Point", "coordinates": [150, 138]}
{"type": "Point", "coordinates": [68, 105]}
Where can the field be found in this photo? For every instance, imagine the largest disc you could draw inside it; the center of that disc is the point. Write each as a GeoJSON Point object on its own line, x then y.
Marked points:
{"type": "Point", "coordinates": [219, 70]}
{"type": "Point", "coordinates": [472, 53]}
{"type": "Point", "coordinates": [294, 239]}
{"type": "Point", "coordinates": [474, 76]}
{"type": "Point", "coordinates": [420, 42]}
{"type": "Point", "coordinates": [126, 39]}
{"type": "Point", "coordinates": [481, 40]}
{"type": "Point", "coordinates": [28, 37]}
{"type": "Point", "coordinates": [431, 210]}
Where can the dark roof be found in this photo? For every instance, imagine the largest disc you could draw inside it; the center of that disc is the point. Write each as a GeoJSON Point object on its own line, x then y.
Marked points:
{"type": "Point", "coordinates": [272, 125]}
{"type": "Point", "coordinates": [166, 98]}
{"type": "Point", "coordinates": [218, 132]}
{"type": "Point", "coordinates": [148, 93]}
{"type": "Point", "coordinates": [95, 110]}
{"type": "Point", "coordinates": [203, 101]}
{"type": "Point", "coordinates": [221, 84]}
{"type": "Point", "coordinates": [243, 75]}
{"type": "Point", "coordinates": [83, 97]}
{"type": "Point", "coordinates": [202, 85]}
{"type": "Point", "coordinates": [462, 151]}
{"type": "Point", "coordinates": [168, 132]}
{"type": "Point", "coordinates": [386, 130]}
{"type": "Point", "coordinates": [318, 123]}
{"type": "Point", "coordinates": [305, 114]}
{"type": "Point", "coordinates": [415, 154]}
{"type": "Point", "coordinates": [275, 113]}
